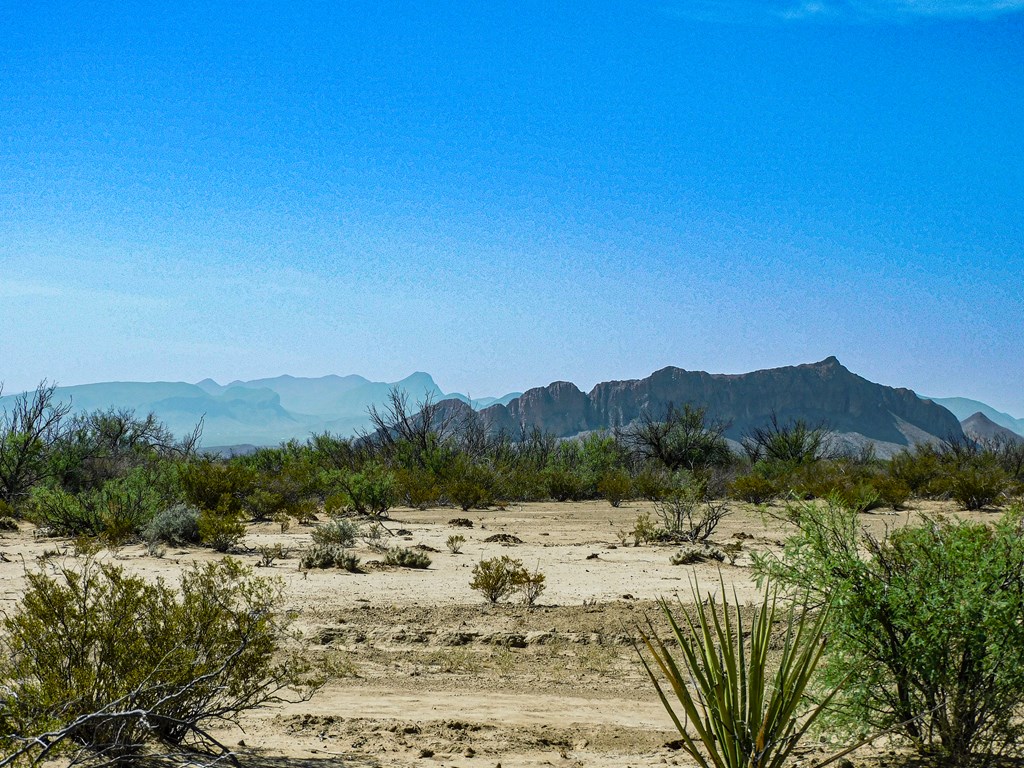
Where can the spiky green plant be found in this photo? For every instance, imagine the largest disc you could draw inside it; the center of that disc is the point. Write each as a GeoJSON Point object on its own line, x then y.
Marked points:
{"type": "Point", "coordinates": [739, 708]}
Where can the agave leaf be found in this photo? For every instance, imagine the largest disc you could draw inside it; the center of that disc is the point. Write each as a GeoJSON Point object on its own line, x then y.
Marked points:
{"type": "Point", "coordinates": [738, 709]}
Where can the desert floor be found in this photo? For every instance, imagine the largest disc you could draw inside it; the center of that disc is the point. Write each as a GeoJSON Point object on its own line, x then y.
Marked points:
{"type": "Point", "coordinates": [436, 676]}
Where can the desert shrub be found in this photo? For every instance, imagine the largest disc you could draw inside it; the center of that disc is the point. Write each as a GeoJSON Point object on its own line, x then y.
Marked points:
{"type": "Point", "coordinates": [615, 486]}
{"type": "Point", "coordinates": [8, 523]}
{"type": "Point", "coordinates": [754, 488]}
{"type": "Point", "coordinates": [209, 485]}
{"type": "Point", "coordinates": [692, 554]}
{"type": "Point", "coordinates": [645, 530]}
{"type": "Point", "coordinates": [684, 439]}
{"type": "Point", "coordinates": [472, 490]}
{"type": "Point", "coordinates": [860, 496]}
{"type": "Point", "coordinates": [652, 483]}
{"type": "Point", "coordinates": [221, 527]}
{"type": "Point", "coordinates": [750, 707]}
{"type": "Point", "coordinates": [686, 515]}
{"type": "Point", "coordinates": [418, 487]}
{"type": "Point", "coordinates": [109, 665]}
{"type": "Point", "coordinates": [177, 525]}
{"type": "Point", "coordinates": [496, 578]}
{"type": "Point", "coordinates": [63, 513]}
{"type": "Point", "coordinates": [371, 491]}
{"type": "Point", "coordinates": [927, 626]}
{"type": "Point", "coordinates": [916, 469]}
{"type": "Point", "coordinates": [454, 543]}
{"type": "Point", "coordinates": [407, 558]}
{"type": "Point", "coordinates": [338, 531]}
{"type": "Point", "coordinates": [270, 553]}
{"type": "Point", "coordinates": [529, 585]}
{"type": "Point", "coordinates": [563, 484]}
{"type": "Point", "coordinates": [329, 556]}
{"type": "Point", "coordinates": [975, 486]}
{"type": "Point", "coordinates": [892, 491]}
{"type": "Point", "coordinates": [793, 442]}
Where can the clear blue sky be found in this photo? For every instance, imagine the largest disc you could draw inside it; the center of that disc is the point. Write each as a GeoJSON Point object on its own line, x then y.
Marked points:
{"type": "Point", "coordinates": [504, 194]}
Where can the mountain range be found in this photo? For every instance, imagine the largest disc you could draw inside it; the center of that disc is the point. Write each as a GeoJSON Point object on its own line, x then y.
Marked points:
{"type": "Point", "coordinates": [259, 411]}
{"type": "Point", "coordinates": [858, 411]}
{"type": "Point", "coordinates": [267, 411]}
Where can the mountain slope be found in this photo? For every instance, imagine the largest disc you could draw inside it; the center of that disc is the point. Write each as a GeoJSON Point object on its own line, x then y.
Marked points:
{"type": "Point", "coordinates": [980, 427]}
{"type": "Point", "coordinates": [964, 408]}
{"type": "Point", "coordinates": [825, 391]}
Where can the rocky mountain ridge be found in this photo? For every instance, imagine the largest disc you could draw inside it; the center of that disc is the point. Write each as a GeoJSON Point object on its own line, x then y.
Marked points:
{"type": "Point", "coordinates": [858, 410]}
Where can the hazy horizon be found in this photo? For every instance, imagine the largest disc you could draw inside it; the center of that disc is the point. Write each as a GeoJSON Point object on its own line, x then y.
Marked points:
{"type": "Point", "coordinates": [505, 196]}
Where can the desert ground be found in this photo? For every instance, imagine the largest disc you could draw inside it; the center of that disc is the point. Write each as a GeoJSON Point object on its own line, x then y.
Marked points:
{"type": "Point", "coordinates": [434, 675]}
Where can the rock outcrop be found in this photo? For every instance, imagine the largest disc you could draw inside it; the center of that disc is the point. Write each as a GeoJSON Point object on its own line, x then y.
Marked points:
{"type": "Point", "coordinates": [819, 392]}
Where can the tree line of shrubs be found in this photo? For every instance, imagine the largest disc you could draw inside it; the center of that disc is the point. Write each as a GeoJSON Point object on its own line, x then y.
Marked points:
{"type": "Point", "coordinates": [116, 475]}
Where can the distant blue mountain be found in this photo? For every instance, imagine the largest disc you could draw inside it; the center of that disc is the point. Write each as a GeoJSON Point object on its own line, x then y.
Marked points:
{"type": "Point", "coordinates": [963, 408]}
{"type": "Point", "coordinates": [260, 411]}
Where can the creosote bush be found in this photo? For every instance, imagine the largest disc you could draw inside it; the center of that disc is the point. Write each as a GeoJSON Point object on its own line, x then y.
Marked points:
{"type": "Point", "coordinates": [100, 665]}
{"type": "Point", "coordinates": [498, 577]}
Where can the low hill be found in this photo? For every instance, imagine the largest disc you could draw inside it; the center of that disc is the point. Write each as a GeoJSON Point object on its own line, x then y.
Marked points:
{"type": "Point", "coordinates": [980, 427]}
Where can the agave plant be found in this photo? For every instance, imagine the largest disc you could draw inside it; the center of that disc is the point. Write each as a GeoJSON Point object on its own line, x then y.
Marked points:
{"type": "Point", "coordinates": [744, 709]}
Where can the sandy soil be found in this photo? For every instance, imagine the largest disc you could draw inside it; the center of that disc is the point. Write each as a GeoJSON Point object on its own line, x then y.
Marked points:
{"type": "Point", "coordinates": [438, 677]}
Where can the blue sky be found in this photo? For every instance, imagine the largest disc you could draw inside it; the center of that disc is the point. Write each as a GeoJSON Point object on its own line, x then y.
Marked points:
{"type": "Point", "coordinates": [504, 194]}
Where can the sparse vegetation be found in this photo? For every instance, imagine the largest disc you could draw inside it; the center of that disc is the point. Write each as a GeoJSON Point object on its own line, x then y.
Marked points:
{"type": "Point", "coordinates": [454, 543]}
{"type": "Point", "coordinates": [405, 557]}
{"type": "Point", "coordinates": [495, 578]}
{"type": "Point", "coordinates": [329, 556]}
{"type": "Point", "coordinates": [101, 665]}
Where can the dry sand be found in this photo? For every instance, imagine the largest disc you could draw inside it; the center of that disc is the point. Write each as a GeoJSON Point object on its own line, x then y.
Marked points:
{"type": "Point", "coordinates": [437, 676]}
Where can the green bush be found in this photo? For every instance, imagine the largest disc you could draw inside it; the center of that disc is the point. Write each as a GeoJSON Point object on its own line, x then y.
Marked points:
{"type": "Point", "coordinates": [916, 469]}
{"type": "Point", "coordinates": [405, 557]}
{"type": "Point", "coordinates": [927, 626]}
{"type": "Point", "coordinates": [563, 484]}
{"type": "Point", "coordinates": [892, 491]}
{"type": "Point", "coordinates": [177, 525]}
{"type": "Point", "coordinates": [976, 486]}
{"type": "Point", "coordinates": [652, 484]}
{"type": "Point", "coordinates": [418, 487]}
{"type": "Point", "coordinates": [8, 523]}
{"type": "Point", "coordinates": [338, 531]}
{"type": "Point", "coordinates": [754, 488]}
{"type": "Point", "coordinates": [686, 514]}
{"type": "Point", "coordinates": [497, 577]}
{"type": "Point", "coordinates": [615, 486]}
{"type": "Point", "coordinates": [221, 527]}
{"type": "Point", "coordinates": [747, 709]}
{"type": "Point", "coordinates": [454, 543]}
{"type": "Point", "coordinates": [529, 585]}
{"type": "Point", "coordinates": [110, 665]}
{"type": "Point", "coordinates": [371, 491]}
